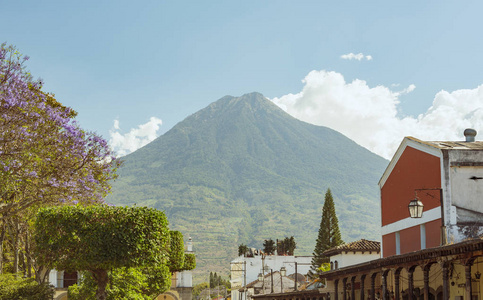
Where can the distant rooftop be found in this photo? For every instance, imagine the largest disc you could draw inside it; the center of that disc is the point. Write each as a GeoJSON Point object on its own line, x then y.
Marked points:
{"type": "Point", "coordinates": [357, 246]}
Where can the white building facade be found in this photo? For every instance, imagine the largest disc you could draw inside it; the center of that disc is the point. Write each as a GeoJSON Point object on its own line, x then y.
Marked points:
{"type": "Point", "coordinates": [245, 270]}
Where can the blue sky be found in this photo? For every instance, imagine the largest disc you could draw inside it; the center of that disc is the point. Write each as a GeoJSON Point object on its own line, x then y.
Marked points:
{"type": "Point", "coordinates": [138, 62]}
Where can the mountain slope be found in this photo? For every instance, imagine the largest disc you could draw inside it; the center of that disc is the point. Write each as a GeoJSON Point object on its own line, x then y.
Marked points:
{"type": "Point", "coordinates": [242, 170]}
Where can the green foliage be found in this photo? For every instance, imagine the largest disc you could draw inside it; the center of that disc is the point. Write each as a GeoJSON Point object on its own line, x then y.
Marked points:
{"type": "Point", "coordinates": [252, 172]}
{"type": "Point", "coordinates": [242, 250]}
{"type": "Point", "coordinates": [324, 267]}
{"type": "Point", "coordinates": [212, 284]}
{"type": "Point", "coordinates": [198, 288]}
{"type": "Point", "coordinates": [85, 290]}
{"type": "Point", "coordinates": [14, 287]}
{"type": "Point", "coordinates": [269, 247]}
{"type": "Point", "coordinates": [101, 238]}
{"type": "Point", "coordinates": [125, 283]}
{"type": "Point", "coordinates": [329, 233]}
{"type": "Point", "coordinates": [286, 246]}
{"type": "Point", "coordinates": [189, 262]}
{"type": "Point", "coordinates": [176, 251]}
{"type": "Point", "coordinates": [46, 159]}
{"type": "Point", "coordinates": [217, 280]}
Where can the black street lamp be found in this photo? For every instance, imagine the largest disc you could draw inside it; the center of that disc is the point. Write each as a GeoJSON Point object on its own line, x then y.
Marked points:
{"type": "Point", "coordinates": [416, 208]}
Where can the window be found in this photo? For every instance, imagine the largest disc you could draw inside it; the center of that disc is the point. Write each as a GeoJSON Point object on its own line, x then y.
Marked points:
{"type": "Point", "coordinates": [423, 236]}
{"type": "Point", "coordinates": [398, 243]}
{"type": "Point", "coordinates": [336, 265]}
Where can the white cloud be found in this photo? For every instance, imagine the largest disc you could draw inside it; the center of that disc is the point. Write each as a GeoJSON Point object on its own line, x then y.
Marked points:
{"type": "Point", "coordinates": [136, 138]}
{"type": "Point", "coordinates": [407, 90]}
{"type": "Point", "coordinates": [358, 56]}
{"type": "Point", "coordinates": [369, 115]}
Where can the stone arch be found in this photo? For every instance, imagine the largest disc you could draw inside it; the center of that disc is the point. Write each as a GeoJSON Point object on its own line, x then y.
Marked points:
{"type": "Point", "coordinates": [61, 296]}
{"type": "Point", "coordinates": [439, 293]}
{"type": "Point", "coordinates": [412, 290]}
{"type": "Point", "coordinates": [432, 294]}
{"type": "Point", "coordinates": [169, 295]}
{"type": "Point", "coordinates": [384, 284]}
{"type": "Point", "coordinates": [373, 291]}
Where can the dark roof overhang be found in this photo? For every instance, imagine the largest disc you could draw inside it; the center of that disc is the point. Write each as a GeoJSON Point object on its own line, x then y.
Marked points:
{"type": "Point", "coordinates": [464, 249]}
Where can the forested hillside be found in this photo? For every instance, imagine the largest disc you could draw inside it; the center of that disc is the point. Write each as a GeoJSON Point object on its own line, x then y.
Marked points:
{"type": "Point", "coordinates": [242, 170]}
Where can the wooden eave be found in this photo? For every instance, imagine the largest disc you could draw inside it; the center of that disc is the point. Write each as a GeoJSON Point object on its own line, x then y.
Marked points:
{"type": "Point", "coordinates": [288, 294]}
{"type": "Point", "coordinates": [461, 250]}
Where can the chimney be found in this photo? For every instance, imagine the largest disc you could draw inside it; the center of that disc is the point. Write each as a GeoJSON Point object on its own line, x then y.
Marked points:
{"type": "Point", "coordinates": [470, 134]}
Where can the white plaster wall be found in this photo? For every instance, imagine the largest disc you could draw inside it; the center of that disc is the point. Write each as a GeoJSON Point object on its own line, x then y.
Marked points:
{"type": "Point", "coordinates": [274, 262]}
{"type": "Point", "coordinates": [184, 279]}
{"type": "Point", "coordinates": [53, 277]}
{"type": "Point", "coordinates": [466, 193]}
{"type": "Point", "coordinates": [351, 258]}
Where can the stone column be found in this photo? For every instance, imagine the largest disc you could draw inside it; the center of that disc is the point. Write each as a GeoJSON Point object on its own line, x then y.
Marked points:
{"type": "Point", "coordinates": [344, 289]}
{"type": "Point", "coordinates": [373, 286]}
{"type": "Point", "coordinates": [411, 283]}
{"type": "Point", "coordinates": [363, 278]}
{"type": "Point", "coordinates": [445, 282]}
{"type": "Point", "coordinates": [426, 280]}
{"type": "Point", "coordinates": [396, 284]}
{"type": "Point", "coordinates": [336, 285]}
{"type": "Point", "coordinates": [353, 290]}
{"type": "Point", "coordinates": [384, 285]}
{"type": "Point", "coordinates": [468, 290]}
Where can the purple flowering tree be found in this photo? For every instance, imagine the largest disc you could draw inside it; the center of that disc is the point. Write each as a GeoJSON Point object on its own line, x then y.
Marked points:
{"type": "Point", "coordinates": [45, 157]}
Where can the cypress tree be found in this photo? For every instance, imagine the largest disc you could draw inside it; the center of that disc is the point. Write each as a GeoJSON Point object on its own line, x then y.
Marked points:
{"type": "Point", "coordinates": [329, 233]}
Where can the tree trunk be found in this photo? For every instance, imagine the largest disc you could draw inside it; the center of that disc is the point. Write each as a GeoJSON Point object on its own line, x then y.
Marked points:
{"type": "Point", "coordinates": [23, 268]}
{"type": "Point", "coordinates": [42, 274]}
{"type": "Point", "coordinates": [102, 280]}
{"type": "Point", "coordinates": [28, 254]}
{"type": "Point", "coordinates": [14, 235]}
{"type": "Point", "coordinates": [2, 239]}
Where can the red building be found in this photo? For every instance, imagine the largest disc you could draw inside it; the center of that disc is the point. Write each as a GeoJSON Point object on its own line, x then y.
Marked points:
{"type": "Point", "coordinates": [447, 178]}
{"type": "Point", "coordinates": [438, 255]}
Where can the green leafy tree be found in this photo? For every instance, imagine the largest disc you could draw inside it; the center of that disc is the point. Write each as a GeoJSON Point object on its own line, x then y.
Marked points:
{"type": "Point", "coordinates": [329, 233]}
{"type": "Point", "coordinates": [286, 246]}
{"type": "Point", "coordinates": [176, 251]}
{"type": "Point", "coordinates": [100, 238]}
{"type": "Point", "coordinates": [125, 283]}
{"type": "Point", "coordinates": [13, 286]}
{"type": "Point", "coordinates": [242, 249]}
{"type": "Point", "coordinates": [189, 261]}
{"type": "Point", "coordinates": [45, 157]}
{"type": "Point", "coordinates": [290, 245]}
{"type": "Point", "coordinates": [198, 288]}
{"type": "Point", "coordinates": [269, 247]}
